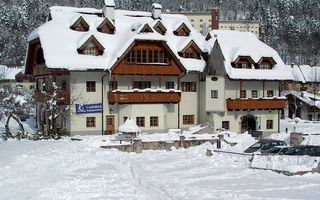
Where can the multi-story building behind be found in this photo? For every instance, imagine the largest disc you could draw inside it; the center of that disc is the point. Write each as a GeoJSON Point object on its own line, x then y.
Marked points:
{"type": "Point", "coordinates": [204, 22]}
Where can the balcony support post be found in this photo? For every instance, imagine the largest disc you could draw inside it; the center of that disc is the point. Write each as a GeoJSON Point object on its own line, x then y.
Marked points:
{"type": "Point", "coordinates": [263, 87]}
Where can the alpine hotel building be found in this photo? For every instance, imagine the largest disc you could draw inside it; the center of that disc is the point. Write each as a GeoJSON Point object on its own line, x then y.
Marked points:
{"type": "Point", "coordinates": [155, 68]}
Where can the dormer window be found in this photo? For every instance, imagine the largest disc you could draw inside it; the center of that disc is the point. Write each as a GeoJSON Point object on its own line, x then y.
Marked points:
{"type": "Point", "coordinates": [192, 50]}
{"type": "Point", "coordinates": [146, 29]}
{"type": "Point", "coordinates": [243, 62]}
{"type": "Point", "coordinates": [266, 63]}
{"type": "Point", "coordinates": [91, 47]}
{"type": "Point", "coordinates": [208, 37]}
{"type": "Point", "coordinates": [80, 25]}
{"type": "Point", "coordinates": [159, 27]}
{"type": "Point", "coordinates": [106, 26]}
{"type": "Point", "coordinates": [182, 30]}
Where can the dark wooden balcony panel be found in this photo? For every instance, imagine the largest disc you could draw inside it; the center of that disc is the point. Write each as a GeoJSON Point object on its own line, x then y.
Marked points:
{"type": "Point", "coordinates": [252, 104]}
{"type": "Point", "coordinates": [64, 95]}
{"type": "Point", "coordinates": [40, 70]}
{"type": "Point", "coordinates": [143, 97]}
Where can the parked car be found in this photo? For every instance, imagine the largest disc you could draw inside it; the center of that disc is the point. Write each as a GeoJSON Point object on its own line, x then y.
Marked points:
{"type": "Point", "coordinates": [264, 145]}
{"type": "Point", "coordinates": [276, 150]}
{"type": "Point", "coordinates": [309, 150]}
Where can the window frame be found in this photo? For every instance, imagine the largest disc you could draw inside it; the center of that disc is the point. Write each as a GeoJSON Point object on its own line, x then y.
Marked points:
{"type": "Point", "coordinates": [252, 93]}
{"type": "Point", "coordinates": [243, 94]}
{"type": "Point", "coordinates": [188, 86]}
{"type": "Point", "coordinates": [270, 93]}
{"type": "Point", "coordinates": [169, 84]}
{"type": "Point", "coordinates": [140, 121]}
{"type": "Point", "coordinates": [90, 122]}
{"type": "Point", "coordinates": [188, 119]}
{"type": "Point", "coordinates": [154, 121]}
{"type": "Point", "coordinates": [91, 88]}
{"type": "Point", "coordinates": [269, 124]}
{"type": "Point", "coordinates": [214, 94]}
{"type": "Point", "coordinates": [225, 124]}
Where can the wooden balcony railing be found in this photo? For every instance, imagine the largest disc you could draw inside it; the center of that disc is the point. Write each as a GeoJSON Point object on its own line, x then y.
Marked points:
{"type": "Point", "coordinates": [252, 104]}
{"type": "Point", "coordinates": [63, 95]}
{"type": "Point", "coordinates": [143, 97]}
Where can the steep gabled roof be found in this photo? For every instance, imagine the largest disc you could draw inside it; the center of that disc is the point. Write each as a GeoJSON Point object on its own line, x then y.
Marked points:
{"type": "Point", "coordinates": [57, 33]}
{"type": "Point", "coordinates": [247, 57]}
{"type": "Point", "coordinates": [182, 26]}
{"type": "Point", "coordinates": [234, 44]}
{"type": "Point", "coordinates": [270, 59]}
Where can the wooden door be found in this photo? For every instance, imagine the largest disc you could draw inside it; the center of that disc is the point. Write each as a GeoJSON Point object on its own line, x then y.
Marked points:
{"type": "Point", "coordinates": [109, 124]}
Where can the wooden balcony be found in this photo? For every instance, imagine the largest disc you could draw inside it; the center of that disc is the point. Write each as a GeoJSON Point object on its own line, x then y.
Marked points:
{"type": "Point", "coordinates": [252, 104]}
{"type": "Point", "coordinates": [64, 95]}
{"type": "Point", "coordinates": [143, 97]}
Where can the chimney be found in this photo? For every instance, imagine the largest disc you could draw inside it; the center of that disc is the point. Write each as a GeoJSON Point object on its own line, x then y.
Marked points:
{"type": "Point", "coordinates": [156, 11]}
{"type": "Point", "coordinates": [214, 18]}
{"type": "Point", "coordinates": [108, 9]}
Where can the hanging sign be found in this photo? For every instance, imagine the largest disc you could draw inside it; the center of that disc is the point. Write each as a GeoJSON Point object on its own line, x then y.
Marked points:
{"type": "Point", "coordinates": [89, 108]}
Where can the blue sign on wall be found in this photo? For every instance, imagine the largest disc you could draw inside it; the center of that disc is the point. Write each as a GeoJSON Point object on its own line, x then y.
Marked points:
{"type": "Point", "coordinates": [89, 108]}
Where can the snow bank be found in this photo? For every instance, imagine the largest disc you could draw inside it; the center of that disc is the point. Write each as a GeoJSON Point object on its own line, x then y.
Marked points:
{"type": "Point", "coordinates": [285, 163]}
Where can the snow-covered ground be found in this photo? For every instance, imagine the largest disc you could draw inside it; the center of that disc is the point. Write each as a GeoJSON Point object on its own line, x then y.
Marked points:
{"type": "Point", "coordinates": [66, 169]}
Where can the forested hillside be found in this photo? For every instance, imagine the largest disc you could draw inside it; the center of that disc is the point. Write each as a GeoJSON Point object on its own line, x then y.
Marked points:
{"type": "Point", "coordinates": [290, 26]}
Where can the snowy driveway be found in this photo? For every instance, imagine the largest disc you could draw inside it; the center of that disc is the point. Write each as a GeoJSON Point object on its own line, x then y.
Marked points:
{"type": "Point", "coordinates": [75, 170]}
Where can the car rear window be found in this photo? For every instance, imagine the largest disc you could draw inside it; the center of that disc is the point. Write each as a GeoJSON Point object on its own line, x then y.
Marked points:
{"type": "Point", "coordinates": [256, 145]}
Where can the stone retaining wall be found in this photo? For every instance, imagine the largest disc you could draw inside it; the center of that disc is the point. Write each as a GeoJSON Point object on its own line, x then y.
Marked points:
{"type": "Point", "coordinates": [138, 146]}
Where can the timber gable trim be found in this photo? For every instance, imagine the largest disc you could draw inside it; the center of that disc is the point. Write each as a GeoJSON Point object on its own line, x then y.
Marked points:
{"type": "Point", "coordinates": [106, 26]}
{"type": "Point", "coordinates": [80, 25]}
{"type": "Point", "coordinates": [136, 42]}
{"type": "Point", "coordinates": [146, 29]}
{"type": "Point", "coordinates": [160, 28]}
{"type": "Point", "coordinates": [97, 44]}
{"type": "Point", "coordinates": [182, 30]}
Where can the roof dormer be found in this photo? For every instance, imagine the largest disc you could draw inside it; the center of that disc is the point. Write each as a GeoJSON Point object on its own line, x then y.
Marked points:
{"type": "Point", "coordinates": [208, 37]}
{"type": "Point", "coordinates": [80, 25]}
{"type": "Point", "coordinates": [91, 47]}
{"type": "Point", "coordinates": [160, 28]}
{"type": "Point", "coordinates": [182, 30]}
{"type": "Point", "coordinates": [146, 29]}
{"type": "Point", "coordinates": [191, 50]}
{"type": "Point", "coordinates": [265, 63]}
{"type": "Point", "coordinates": [106, 26]}
{"type": "Point", "coordinates": [243, 62]}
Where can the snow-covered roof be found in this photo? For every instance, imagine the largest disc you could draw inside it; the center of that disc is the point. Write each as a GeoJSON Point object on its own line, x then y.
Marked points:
{"type": "Point", "coordinates": [234, 44]}
{"type": "Point", "coordinates": [156, 5]}
{"type": "Point", "coordinates": [129, 126]}
{"type": "Point", "coordinates": [60, 43]}
{"type": "Point", "coordinates": [109, 3]}
{"type": "Point", "coordinates": [9, 73]}
{"type": "Point", "coordinates": [306, 97]}
{"type": "Point", "coordinates": [305, 73]}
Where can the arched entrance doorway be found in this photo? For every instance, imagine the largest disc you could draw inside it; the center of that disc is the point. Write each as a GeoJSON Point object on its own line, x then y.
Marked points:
{"type": "Point", "coordinates": [248, 123]}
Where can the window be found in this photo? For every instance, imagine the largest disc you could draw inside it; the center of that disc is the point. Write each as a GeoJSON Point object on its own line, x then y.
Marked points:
{"type": "Point", "coordinates": [225, 125]}
{"type": "Point", "coordinates": [264, 66]}
{"type": "Point", "coordinates": [188, 119]}
{"type": "Point", "coordinates": [154, 121]}
{"type": "Point", "coordinates": [141, 84]}
{"type": "Point", "coordinates": [150, 56]}
{"type": "Point", "coordinates": [144, 56]}
{"type": "Point", "coordinates": [111, 85]}
{"type": "Point", "coordinates": [91, 122]}
{"type": "Point", "coordinates": [125, 119]}
{"type": "Point", "coordinates": [138, 56]}
{"type": "Point", "coordinates": [254, 94]}
{"type": "Point", "coordinates": [91, 86]}
{"type": "Point", "coordinates": [269, 124]}
{"type": "Point", "coordinates": [243, 94]}
{"type": "Point", "coordinates": [140, 121]}
{"type": "Point", "coordinates": [161, 56]}
{"type": "Point", "coordinates": [91, 52]}
{"type": "Point", "coordinates": [109, 121]}
{"type": "Point", "coordinates": [188, 86]}
{"type": "Point", "coordinates": [214, 94]}
{"type": "Point", "coordinates": [155, 56]}
{"type": "Point", "coordinates": [269, 93]}
{"type": "Point", "coordinates": [169, 85]}
{"type": "Point", "coordinates": [243, 65]}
